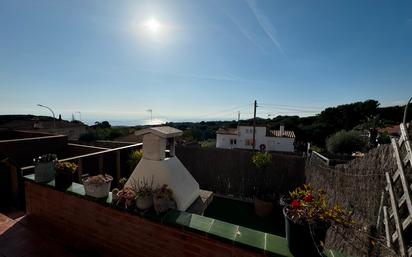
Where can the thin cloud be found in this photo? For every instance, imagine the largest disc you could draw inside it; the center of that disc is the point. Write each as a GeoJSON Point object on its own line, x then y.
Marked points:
{"type": "Point", "coordinates": [247, 34]}
{"type": "Point", "coordinates": [229, 77]}
{"type": "Point", "coordinates": [265, 24]}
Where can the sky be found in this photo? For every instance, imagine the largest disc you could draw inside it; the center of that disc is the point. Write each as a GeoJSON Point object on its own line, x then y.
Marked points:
{"type": "Point", "coordinates": [201, 60]}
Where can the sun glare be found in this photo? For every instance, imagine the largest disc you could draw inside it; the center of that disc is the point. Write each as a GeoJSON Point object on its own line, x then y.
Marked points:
{"type": "Point", "coordinates": [153, 25]}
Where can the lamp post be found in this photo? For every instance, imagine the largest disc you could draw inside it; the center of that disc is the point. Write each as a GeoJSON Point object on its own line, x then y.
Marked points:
{"type": "Point", "coordinates": [80, 115]}
{"type": "Point", "coordinates": [54, 118]}
{"type": "Point", "coordinates": [151, 116]}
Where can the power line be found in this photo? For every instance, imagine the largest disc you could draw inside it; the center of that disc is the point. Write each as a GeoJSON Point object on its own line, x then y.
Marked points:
{"type": "Point", "coordinates": [295, 106]}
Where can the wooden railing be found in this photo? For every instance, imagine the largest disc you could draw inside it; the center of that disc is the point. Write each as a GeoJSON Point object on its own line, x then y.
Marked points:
{"type": "Point", "coordinates": [317, 156]}
{"type": "Point", "coordinates": [110, 161]}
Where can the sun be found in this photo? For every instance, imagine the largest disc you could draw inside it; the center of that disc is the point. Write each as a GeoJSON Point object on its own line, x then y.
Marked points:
{"type": "Point", "coordinates": [153, 25]}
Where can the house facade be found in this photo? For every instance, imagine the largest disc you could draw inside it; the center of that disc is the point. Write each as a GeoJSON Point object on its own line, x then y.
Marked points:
{"type": "Point", "coordinates": [242, 138]}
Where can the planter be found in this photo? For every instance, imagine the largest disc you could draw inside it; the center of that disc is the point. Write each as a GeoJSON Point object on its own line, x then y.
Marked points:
{"type": "Point", "coordinates": [144, 203]}
{"type": "Point", "coordinates": [162, 204]}
{"type": "Point", "coordinates": [44, 172]}
{"type": "Point", "coordinates": [100, 189]}
{"type": "Point", "coordinates": [63, 180]}
{"type": "Point", "coordinates": [263, 208]}
{"type": "Point", "coordinates": [304, 240]}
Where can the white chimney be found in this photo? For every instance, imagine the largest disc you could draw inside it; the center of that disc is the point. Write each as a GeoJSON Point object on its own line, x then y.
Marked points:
{"type": "Point", "coordinates": [155, 165]}
{"type": "Point", "coordinates": [282, 130]}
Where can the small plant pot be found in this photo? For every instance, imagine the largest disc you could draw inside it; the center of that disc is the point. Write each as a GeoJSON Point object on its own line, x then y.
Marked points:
{"type": "Point", "coordinates": [161, 204]}
{"type": "Point", "coordinates": [304, 240]}
{"type": "Point", "coordinates": [44, 172]}
{"type": "Point", "coordinates": [144, 203]}
{"type": "Point", "coordinates": [63, 180]}
{"type": "Point", "coordinates": [97, 190]}
{"type": "Point", "coordinates": [263, 208]}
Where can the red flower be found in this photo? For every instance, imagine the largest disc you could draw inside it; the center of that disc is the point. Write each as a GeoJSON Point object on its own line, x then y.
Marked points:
{"type": "Point", "coordinates": [308, 198]}
{"type": "Point", "coordinates": [295, 204]}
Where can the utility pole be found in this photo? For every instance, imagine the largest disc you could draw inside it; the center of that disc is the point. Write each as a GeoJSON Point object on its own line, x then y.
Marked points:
{"type": "Point", "coordinates": [254, 126]}
{"type": "Point", "coordinates": [238, 119]}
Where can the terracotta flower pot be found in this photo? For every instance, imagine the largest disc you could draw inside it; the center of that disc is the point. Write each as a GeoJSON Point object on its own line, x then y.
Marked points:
{"type": "Point", "coordinates": [263, 208]}
{"type": "Point", "coordinates": [304, 240]}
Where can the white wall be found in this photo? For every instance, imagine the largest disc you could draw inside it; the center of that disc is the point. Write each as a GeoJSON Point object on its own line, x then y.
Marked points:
{"type": "Point", "coordinates": [283, 144]}
{"type": "Point", "coordinates": [245, 133]}
{"type": "Point", "coordinates": [223, 141]}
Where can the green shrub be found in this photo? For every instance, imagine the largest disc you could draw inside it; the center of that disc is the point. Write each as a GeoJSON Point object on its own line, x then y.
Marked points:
{"type": "Point", "coordinates": [134, 158]}
{"type": "Point", "coordinates": [345, 142]}
{"type": "Point", "coordinates": [262, 159]}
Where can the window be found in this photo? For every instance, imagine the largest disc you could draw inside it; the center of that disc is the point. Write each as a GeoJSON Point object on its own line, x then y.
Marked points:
{"type": "Point", "coordinates": [249, 142]}
{"type": "Point", "coordinates": [233, 141]}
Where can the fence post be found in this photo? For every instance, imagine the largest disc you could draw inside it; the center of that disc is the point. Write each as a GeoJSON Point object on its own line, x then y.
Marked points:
{"type": "Point", "coordinates": [118, 172]}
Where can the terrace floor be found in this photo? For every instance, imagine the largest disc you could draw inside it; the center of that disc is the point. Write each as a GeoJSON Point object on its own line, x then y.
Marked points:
{"type": "Point", "coordinates": [20, 236]}
{"type": "Point", "coordinates": [243, 213]}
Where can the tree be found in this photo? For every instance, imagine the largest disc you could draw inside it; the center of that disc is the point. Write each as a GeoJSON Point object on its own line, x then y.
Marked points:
{"type": "Point", "coordinates": [345, 142]}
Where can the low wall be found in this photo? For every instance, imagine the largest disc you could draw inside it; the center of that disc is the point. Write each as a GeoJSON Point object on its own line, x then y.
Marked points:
{"type": "Point", "coordinates": [356, 186]}
{"type": "Point", "coordinates": [93, 224]}
{"type": "Point", "coordinates": [231, 171]}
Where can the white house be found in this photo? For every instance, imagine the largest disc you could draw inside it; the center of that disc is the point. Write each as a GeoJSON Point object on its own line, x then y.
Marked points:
{"type": "Point", "coordinates": [269, 140]}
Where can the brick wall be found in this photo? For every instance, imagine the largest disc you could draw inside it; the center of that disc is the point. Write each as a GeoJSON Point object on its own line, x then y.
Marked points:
{"type": "Point", "coordinates": [85, 223]}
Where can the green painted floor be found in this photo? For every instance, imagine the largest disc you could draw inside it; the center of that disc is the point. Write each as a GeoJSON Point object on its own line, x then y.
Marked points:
{"type": "Point", "coordinates": [243, 214]}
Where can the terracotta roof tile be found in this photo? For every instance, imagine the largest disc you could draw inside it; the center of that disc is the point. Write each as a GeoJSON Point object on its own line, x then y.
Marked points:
{"type": "Point", "coordinates": [286, 133]}
{"type": "Point", "coordinates": [227, 131]}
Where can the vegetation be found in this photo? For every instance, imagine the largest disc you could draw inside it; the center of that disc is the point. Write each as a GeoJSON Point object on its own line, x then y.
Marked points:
{"type": "Point", "coordinates": [366, 115]}
{"type": "Point", "coordinates": [134, 158]}
{"type": "Point", "coordinates": [103, 131]}
{"type": "Point", "coordinates": [345, 142]}
{"type": "Point", "coordinates": [67, 167]}
{"type": "Point", "coordinates": [45, 158]}
{"type": "Point", "coordinates": [308, 206]}
{"type": "Point", "coordinates": [262, 159]}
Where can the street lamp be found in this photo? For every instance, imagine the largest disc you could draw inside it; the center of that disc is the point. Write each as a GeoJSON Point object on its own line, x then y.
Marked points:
{"type": "Point", "coordinates": [151, 116]}
{"type": "Point", "coordinates": [80, 115]}
{"type": "Point", "coordinates": [54, 117]}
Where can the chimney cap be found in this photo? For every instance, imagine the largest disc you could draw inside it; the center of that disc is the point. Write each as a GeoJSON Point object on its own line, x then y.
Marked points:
{"type": "Point", "coordinates": [163, 132]}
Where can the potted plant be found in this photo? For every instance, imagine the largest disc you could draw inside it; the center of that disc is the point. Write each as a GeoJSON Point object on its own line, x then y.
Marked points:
{"type": "Point", "coordinates": [263, 199]}
{"type": "Point", "coordinates": [98, 186]}
{"type": "Point", "coordinates": [44, 167]}
{"type": "Point", "coordinates": [126, 197]}
{"type": "Point", "coordinates": [64, 174]}
{"type": "Point", "coordinates": [144, 194]}
{"type": "Point", "coordinates": [163, 199]}
{"type": "Point", "coordinates": [307, 219]}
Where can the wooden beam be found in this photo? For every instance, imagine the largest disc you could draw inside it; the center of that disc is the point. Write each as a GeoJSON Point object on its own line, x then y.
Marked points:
{"type": "Point", "coordinates": [398, 225]}
{"type": "Point", "coordinates": [386, 223]}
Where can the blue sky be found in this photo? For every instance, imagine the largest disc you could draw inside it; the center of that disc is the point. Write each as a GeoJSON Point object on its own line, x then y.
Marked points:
{"type": "Point", "coordinates": [201, 60]}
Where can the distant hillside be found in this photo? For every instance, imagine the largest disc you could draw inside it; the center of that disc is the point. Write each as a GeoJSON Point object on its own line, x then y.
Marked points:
{"type": "Point", "coordinates": [315, 129]}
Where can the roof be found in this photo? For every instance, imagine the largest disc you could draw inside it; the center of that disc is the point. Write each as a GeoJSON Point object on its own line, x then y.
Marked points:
{"type": "Point", "coordinates": [227, 131]}
{"type": "Point", "coordinates": [391, 130]}
{"type": "Point", "coordinates": [286, 133]}
{"type": "Point", "coordinates": [164, 132]}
